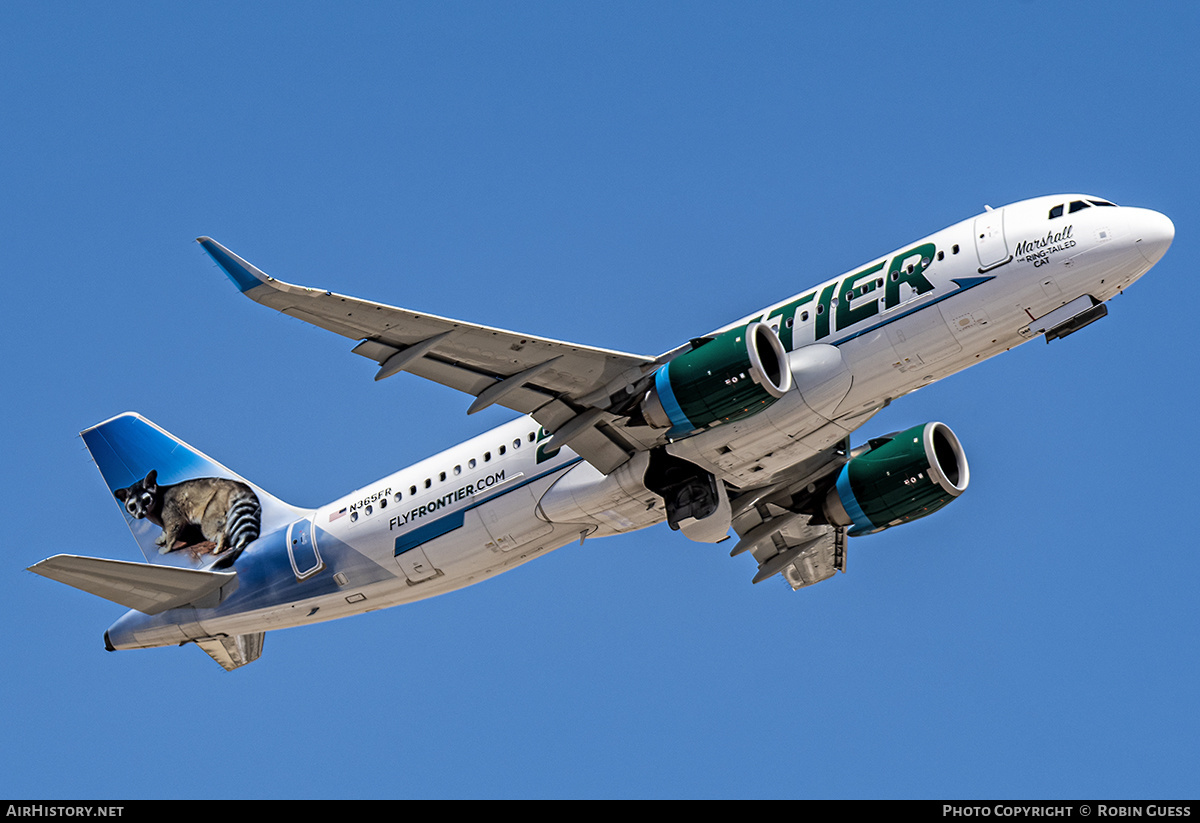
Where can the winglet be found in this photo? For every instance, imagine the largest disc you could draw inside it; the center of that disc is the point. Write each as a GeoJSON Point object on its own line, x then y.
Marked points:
{"type": "Point", "coordinates": [244, 275]}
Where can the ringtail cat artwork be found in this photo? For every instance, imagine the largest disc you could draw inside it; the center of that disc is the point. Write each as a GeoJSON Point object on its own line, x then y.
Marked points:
{"type": "Point", "coordinates": [225, 512]}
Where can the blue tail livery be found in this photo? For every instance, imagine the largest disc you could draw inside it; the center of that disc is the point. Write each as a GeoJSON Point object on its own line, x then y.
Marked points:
{"type": "Point", "coordinates": [183, 508]}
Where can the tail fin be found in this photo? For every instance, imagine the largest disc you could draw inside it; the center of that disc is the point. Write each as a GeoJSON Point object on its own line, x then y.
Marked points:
{"type": "Point", "coordinates": [183, 508]}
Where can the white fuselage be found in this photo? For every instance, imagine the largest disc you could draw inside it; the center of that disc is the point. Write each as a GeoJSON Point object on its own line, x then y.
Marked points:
{"type": "Point", "coordinates": [899, 322]}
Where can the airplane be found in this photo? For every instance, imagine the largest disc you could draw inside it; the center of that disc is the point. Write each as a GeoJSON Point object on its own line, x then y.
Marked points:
{"type": "Point", "coordinates": [744, 429]}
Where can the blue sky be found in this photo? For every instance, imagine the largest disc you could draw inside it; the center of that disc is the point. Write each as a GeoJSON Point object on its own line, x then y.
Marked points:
{"type": "Point", "coordinates": [625, 175]}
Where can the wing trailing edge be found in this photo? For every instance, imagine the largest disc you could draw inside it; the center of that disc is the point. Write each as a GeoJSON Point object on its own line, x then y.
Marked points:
{"type": "Point", "coordinates": [565, 383]}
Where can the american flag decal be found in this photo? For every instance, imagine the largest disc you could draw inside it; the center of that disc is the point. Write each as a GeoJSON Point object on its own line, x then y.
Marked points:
{"type": "Point", "coordinates": [336, 515]}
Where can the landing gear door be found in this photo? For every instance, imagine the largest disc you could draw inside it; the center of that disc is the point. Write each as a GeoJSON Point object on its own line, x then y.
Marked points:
{"type": "Point", "coordinates": [990, 243]}
{"type": "Point", "coordinates": [302, 549]}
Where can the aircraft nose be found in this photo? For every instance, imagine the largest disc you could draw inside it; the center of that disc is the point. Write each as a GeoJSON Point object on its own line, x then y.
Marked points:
{"type": "Point", "coordinates": [1153, 233]}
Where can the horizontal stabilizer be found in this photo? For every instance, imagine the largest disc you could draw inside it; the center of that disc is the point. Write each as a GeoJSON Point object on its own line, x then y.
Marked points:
{"type": "Point", "coordinates": [147, 588]}
{"type": "Point", "coordinates": [232, 652]}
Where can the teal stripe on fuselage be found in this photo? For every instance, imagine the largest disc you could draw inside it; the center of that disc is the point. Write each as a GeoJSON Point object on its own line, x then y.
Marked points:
{"type": "Point", "coordinates": [970, 283]}
{"type": "Point", "coordinates": [430, 531]}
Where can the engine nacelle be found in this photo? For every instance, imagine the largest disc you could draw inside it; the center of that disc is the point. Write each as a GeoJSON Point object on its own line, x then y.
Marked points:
{"type": "Point", "coordinates": [905, 477]}
{"type": "Point", "coordinates": [732, 376]}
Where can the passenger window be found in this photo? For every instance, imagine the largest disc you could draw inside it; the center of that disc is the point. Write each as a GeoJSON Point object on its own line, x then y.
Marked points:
{"type": "Point", "coordinates": [471, 463]}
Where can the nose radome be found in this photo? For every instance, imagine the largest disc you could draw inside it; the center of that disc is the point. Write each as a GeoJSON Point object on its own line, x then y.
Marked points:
{"type": "Point", "coordinates": [1153, 233]}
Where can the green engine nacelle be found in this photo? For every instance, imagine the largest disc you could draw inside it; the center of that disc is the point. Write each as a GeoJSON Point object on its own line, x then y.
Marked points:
{"type": "Point", "coordinates": [899, 479]}
{"type": "Point", "coordinates": [734, 375]}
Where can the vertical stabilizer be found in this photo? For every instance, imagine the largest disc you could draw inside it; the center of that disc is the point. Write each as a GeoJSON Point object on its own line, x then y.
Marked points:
{"type": "Point", "coordinates": [183, 508]}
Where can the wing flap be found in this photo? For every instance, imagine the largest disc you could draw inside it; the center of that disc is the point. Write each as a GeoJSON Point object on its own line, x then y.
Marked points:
{"type": "Point", "coordinates": [811, 561]}
{"type": "Point", "coordinates": [773, 526]}
{"type": "Point", "coordinates": [524, 399]}
{"type": "Point", "coordinates": [802, 552]}
{"type": "Point", "coordinates": [147, 588]}
{"type": "Point", "coordinates": [588, 433]}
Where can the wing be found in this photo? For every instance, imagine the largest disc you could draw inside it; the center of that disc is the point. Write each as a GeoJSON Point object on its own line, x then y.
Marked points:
{"type": "Point", "coordinates": [777, 526]}
{"type": "Point", "coordinates": [570, 389]}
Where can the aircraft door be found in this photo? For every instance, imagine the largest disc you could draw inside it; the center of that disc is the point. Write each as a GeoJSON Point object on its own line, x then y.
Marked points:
{"type": "Point", "coordinates": [302, 549]}
{"type": "Point", "coordinates": [415, 565]}
{"type": "Point", "coordinates": [990, 243]}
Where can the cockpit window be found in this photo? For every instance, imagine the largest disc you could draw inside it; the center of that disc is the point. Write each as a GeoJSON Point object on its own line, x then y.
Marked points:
{"type": "Point", "coordinates": [1057, 211]}
{"type": "Point", "coordinates": [1077, 205]}
{"type": "Point", "coordinates": [1101, 203]}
